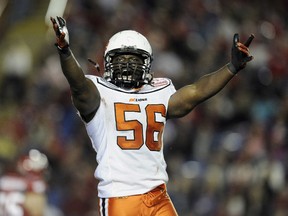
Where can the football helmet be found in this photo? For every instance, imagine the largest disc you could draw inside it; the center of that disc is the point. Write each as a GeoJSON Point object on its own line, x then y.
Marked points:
{"type": "Point", "coordinates": [32, 162]}
{"type": "Point", "coordinates": [128, 74]}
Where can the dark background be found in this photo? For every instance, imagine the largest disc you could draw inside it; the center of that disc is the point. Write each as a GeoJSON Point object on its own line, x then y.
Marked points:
{"type": "Point", "coordinates": [227, 158]}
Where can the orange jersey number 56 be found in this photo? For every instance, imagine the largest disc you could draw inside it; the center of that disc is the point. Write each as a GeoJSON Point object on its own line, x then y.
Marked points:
{"type": "Point", "coordinates": [153, 127]}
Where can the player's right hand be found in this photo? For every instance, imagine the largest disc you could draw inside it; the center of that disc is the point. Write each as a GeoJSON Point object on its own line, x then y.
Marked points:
{"type": "Point", "coordinates": [61, 31]}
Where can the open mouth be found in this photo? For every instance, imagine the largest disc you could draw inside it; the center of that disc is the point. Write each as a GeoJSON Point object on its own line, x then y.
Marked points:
{"type": "Point", "coordinates": [127, 77]}
{"type": "Point", "coordinates": [124, 77]}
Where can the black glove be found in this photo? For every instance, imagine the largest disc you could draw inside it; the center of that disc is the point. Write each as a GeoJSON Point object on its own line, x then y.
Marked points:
{"type": "Point", "coordinates": [61, 31]}
{"type": "Point", "coordinates": [239, 54]}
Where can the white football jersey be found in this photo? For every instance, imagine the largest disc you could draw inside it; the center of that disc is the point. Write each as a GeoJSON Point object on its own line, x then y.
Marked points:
{"type": "Point", "coordinates": [127, 134]}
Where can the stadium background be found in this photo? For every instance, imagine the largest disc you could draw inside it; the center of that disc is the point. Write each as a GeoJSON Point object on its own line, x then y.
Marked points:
{"type": "Point", "coordinates": [227, 158]}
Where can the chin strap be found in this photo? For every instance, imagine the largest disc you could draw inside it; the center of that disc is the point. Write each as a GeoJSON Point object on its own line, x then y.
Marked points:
{"type": "Point", "coordinates": [95, 64]}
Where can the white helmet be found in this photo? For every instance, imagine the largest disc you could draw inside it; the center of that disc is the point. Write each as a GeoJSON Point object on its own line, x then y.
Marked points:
{"type": "Point", "coordinates": [128, 74]}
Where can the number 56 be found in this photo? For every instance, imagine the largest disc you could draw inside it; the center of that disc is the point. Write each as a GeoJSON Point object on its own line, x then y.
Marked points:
{"type": "Point", "coordinates": [153, 127]}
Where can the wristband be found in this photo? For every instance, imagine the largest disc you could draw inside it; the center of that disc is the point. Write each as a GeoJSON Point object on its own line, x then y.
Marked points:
{"type": "Point", "coordinates": [232, 68]}
{"type": "Point", "coordinates": [63, 50]}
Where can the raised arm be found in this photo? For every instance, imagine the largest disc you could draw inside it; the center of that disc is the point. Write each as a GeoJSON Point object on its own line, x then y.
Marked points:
{"type": "Point", "coordinates": [85, 95]}
{"type": "Point", "coordinates": [186, 98]}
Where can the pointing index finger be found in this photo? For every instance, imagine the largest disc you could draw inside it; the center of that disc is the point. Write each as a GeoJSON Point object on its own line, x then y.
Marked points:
{"type": "Point", "coordinates": [250, 39]}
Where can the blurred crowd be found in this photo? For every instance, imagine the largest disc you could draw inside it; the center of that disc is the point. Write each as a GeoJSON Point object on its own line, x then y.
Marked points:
{"type": "Point", "coordinates": [228, 157]}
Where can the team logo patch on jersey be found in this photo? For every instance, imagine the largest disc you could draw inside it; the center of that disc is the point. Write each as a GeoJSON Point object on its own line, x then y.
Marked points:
{"type": "Point", "coordinates": [137, 99]}
{"type": "Point", "coordinates": [157, 82]}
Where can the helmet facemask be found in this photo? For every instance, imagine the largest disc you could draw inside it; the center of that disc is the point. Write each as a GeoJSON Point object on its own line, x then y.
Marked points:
{"type": "Point", "coordinates": [127, 74]}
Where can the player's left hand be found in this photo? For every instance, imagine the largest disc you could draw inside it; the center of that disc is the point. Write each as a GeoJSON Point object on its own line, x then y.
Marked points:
{"type": "Point", "coordinates": [61, 31]}
{"type": "Point", "coordinates": [240, 53]}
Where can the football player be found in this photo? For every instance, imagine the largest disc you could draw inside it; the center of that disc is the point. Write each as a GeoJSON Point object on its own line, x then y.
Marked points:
{"type": "Point", "coordinates": [23, 186]}
{"type": "Point", "coordinates": [125, 112]}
